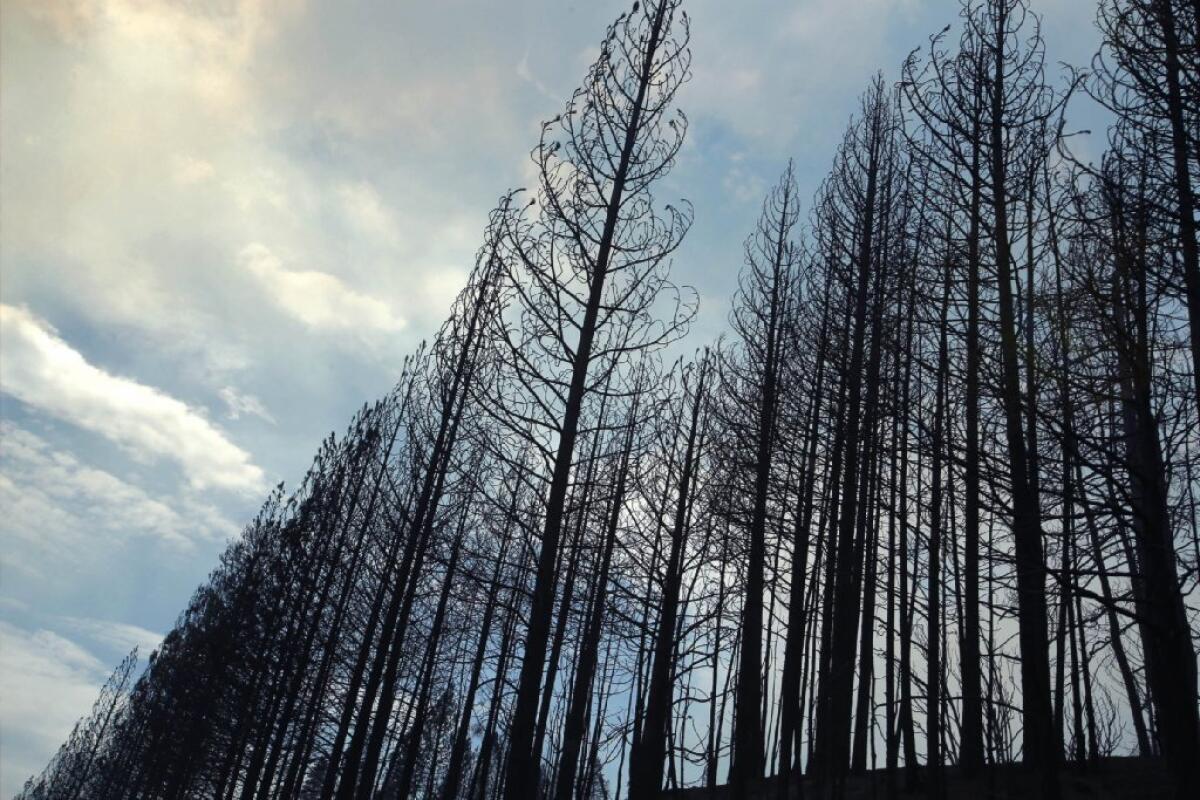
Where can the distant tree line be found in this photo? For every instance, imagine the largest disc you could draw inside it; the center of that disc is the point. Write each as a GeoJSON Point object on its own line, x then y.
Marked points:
{"type": "Point", "coordinates": [931, 501]}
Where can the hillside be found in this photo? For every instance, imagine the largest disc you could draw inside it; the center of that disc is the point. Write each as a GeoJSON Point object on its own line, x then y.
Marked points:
{"type": "Point", "coordinates": [1108, 779]}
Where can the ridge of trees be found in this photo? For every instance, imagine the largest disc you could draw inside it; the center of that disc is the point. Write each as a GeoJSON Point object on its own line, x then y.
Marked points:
{"type": "Point", "coordinates": [934, 497]}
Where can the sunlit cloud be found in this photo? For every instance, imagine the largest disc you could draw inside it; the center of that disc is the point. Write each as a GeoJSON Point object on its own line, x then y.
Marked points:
{"type": "Point", "coordinates": [317, 299]}
{"type": "Point", "coordinates": [120, 637]}
{"type": "Point", "coordinates": [41, 370]}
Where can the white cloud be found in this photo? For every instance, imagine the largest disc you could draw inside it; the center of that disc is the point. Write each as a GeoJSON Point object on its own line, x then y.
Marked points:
{"type": "Point", "coordinates": [188, 170]}
{"type": "Point", "coordinates": [136, 213]}
{"type": "Point", "coordinates": [40, 369]}
{"type": "Point", "coordinates": [526, 74]}
{"type": "Point", "coordinates": [120, 637]}
{"type": "Point", "coordinates": [63, 512]}
{"type": "Point", "coordinates": [243, 122]}
{"type": "Point", "coordinates": [46, 683]}
{"type": "Point", "coordinates": [367, 212]}
{"type": "Point", "coordinates": [441, 286]}
{"type": "Point", "coordinates": [745, 187]}
{"type": "Point", "coordinates": [317, 299]}
{"type": "Point", "coordinates": [238, 404]}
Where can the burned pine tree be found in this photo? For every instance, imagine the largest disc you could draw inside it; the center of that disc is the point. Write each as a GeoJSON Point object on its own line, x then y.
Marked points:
{"type": "Point", "coordinates": [74, 770]}
{"type": "Point", "coordinates": [1120, 248]}
{"type": "Point", "coordinates": [649, 752]}
{"type": "Point", "coordinates": [457, 355]}
{"type": "Point", "coordinates": [750, 374]}
{"type": "Point", "coordinates": [1146, 73]}
{"type": "Point", "coordinates": [859, 197]}
{"type": "Point", "coordinates": [587, 271]}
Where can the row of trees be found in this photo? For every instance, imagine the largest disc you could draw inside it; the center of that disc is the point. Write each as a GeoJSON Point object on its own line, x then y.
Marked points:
{"type": "Point", "coordinates": [932, 498]}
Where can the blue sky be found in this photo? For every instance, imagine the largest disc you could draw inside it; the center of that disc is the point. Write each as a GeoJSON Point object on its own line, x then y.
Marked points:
{"type": "Point", "coordinates": [225, 222]}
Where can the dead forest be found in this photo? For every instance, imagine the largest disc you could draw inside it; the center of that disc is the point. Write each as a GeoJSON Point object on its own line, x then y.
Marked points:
{"type": "Point", "coordinates": [929, 504]}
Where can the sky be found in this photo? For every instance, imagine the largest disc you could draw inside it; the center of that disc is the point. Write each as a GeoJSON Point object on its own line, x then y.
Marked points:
{"type": "Point", "coordinates": [223, 224]}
